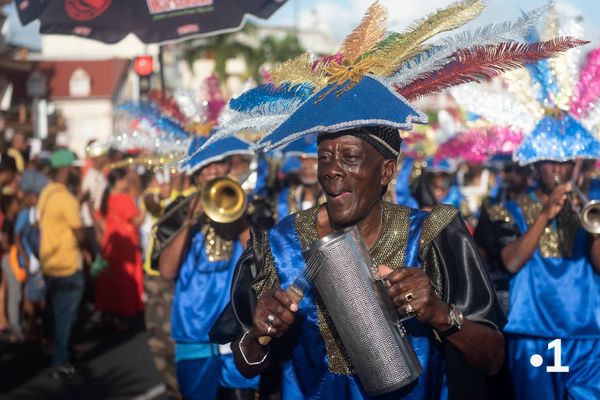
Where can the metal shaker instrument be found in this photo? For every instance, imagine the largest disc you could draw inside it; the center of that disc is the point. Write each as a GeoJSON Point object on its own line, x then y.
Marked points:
{"type": "Point", "coordinates": [364, 315]}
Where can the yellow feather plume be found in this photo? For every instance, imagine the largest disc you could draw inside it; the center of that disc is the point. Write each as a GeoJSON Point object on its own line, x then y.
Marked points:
{"type": "Point", "coordinates": [299, 70]}
{"type": "Point", "coordinates": [367, 35]}
{"type": "Point", "coordinates": [389, 57]}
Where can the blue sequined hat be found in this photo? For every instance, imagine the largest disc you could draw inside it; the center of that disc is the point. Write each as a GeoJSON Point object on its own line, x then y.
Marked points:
{"type": "Point", "coordinates": [498, 161]}
{"type": "Point", "coordinates": [198, 157]}
{"type": "Point", "coordinates": [559, 138]}
{"type": "Point", "coordinates": [303, 147]}
{"type": "Point", "coordinates": [375, 74]}
{"type": "Point", "coordinates": [290, 165]}
{"type": "Point", "coordinates": [324, 113]}
{"type": "Point", "coordinates": [446, 166]}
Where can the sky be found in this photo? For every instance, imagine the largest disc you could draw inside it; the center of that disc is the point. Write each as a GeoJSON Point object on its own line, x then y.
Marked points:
{"type": "Point", "coordinates": [339, 17]}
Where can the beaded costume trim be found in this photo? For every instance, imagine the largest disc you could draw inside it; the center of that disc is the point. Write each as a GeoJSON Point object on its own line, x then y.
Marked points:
{"type": "Point", "coordinates": [267, 277]}
{"type": "Point", "coordinates": [216, 247]}
{"type": "Point", "coordinates": [550, 242]}
{"type": "Point", "coordinates": [498, 213]}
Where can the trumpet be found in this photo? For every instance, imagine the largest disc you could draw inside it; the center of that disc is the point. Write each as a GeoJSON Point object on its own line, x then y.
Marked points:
{"type": "Point", "coordinates": [222, 199]}
{"type": "Point", "coordinates": [587, 211]}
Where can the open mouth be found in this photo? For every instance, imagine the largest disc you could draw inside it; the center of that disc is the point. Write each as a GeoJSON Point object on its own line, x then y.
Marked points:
{"type": "Point", "coordinates": [338, 195]}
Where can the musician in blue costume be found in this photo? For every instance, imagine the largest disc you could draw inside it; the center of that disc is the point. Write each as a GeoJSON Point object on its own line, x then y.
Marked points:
{"type": "Point", "coordinates": [402, 182]}
{"type": "Point", "coordinates": [437, 185]}
{"type": "Point", "coordinates": [201, 258]}
{"type": "Point", "coordinates": [420, 247]}
{"type": "Point", "coordinates": [555, 286]}
{"type": "Point", "coordinates": [356, 103]}
{"type": "Point", "coordinates": [306, 193]}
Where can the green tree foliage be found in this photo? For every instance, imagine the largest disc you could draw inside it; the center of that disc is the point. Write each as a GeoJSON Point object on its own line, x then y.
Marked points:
{"type": "Point", "coordinates": [254, 47]}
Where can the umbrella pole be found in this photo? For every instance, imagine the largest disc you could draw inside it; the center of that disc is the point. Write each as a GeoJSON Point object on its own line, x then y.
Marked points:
{"type": "Point", "coordinates": [163, 88]}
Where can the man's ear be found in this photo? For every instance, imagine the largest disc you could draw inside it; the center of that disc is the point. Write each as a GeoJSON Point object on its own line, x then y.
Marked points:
{"type": "Point", "coordinates": [389, 168]}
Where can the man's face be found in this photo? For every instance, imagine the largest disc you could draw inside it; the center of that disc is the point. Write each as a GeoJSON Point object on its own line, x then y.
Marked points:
{"type": "Point", "coordinates": [239, 164]}
{"type": "Point", "coordinates": [439, 185]}
{"type": "Point", "coordinates": [30, 199]}
{"type": "Point", "coordinates": [100, 161]}
{"type": "Point", "coordinates": [212, 171]}
{"type": "Point", "coordinates": [552, 173]}
{"type": "Point", "coordinates": [352, 174]}
{"type": "Point", "coordinates": [19, 142]}
{"type": "Point", "coordinates": [515, 177]}
{"type": "Point", "coordinates": [308, 171]}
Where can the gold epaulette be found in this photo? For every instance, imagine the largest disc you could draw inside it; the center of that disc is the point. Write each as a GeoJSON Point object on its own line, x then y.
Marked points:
{"type": "Point", "coordinates": [499, 213]}
{"type": "Point", "coordinates": [435, 222]}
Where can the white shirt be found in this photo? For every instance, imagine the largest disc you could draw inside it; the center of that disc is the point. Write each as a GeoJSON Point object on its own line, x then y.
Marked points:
{"type": "Point", "coordinates": [95, 183]}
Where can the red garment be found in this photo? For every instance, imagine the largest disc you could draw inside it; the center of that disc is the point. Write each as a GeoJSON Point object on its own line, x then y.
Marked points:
{"type": "Point", "coordinates": [119, 288]}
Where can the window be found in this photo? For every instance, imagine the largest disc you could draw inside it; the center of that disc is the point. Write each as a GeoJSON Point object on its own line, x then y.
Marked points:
{"type": "Point", "coordinates": [80, 84]}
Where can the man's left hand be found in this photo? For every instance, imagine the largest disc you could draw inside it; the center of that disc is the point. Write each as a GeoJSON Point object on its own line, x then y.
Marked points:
{"type": "Point", "coordinates": [411, 291]}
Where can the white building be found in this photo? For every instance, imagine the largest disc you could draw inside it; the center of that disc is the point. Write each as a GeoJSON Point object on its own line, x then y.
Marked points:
{"type": "Point", "coordinates": [85, 93]}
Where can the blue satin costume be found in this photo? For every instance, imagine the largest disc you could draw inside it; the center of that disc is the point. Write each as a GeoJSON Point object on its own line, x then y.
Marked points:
{"type": "Point", "coordinates": [403, 195]}
{"type": "Point", "coordinates": [283, 207]}
{"type": "Point", "coordinates": [306, 374]}
{"type": "Point", "coordinates": [550, 298]}
{"type": "Point", "coordinates": [201, 293]}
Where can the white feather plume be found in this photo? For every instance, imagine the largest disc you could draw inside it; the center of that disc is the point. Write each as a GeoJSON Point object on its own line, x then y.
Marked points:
{"type": "Point", "coordinates": [496, 107]}
{"type": "Point", "coordinates": [437, 56]}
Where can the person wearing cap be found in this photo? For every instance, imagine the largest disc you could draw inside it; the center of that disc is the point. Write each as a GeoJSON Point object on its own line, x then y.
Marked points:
{"type": "Point", "coordinates": [61, 240]}
{"type": "Point", "coordinates": [436, 185]}
{"type": "Point", "coordinates": [356, 102]}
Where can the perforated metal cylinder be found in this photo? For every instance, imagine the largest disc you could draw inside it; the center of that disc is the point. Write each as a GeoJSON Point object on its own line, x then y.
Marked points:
{"type": "Point", "coordinates": [363, 313]}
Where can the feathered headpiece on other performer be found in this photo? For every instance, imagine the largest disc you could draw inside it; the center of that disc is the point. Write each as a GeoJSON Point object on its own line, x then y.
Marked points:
{"type": "Point", "coordinates": [168, 130]}
{"type": "Point", "coordinates": [375, 74]}
{"type": "Point", "coordinates": [554, 103]}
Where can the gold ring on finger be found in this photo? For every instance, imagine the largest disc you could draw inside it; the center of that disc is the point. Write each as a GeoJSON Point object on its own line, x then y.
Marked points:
{"type": "Point", "coordinates": [270, 318]}
{"type": "Point", "coordinates": [409, 297]}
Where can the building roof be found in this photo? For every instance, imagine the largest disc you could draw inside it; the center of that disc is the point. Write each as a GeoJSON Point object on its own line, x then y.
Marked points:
{"type": "Point", "coordinates": [105, 76]}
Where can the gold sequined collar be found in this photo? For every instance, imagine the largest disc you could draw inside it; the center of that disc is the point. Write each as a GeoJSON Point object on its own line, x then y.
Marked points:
{"type": "Point", "coordinates": [550, 241]}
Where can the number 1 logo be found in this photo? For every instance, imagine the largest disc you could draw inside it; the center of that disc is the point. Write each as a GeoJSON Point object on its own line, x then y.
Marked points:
{"type": "Point", "coordinates": [556, 345]}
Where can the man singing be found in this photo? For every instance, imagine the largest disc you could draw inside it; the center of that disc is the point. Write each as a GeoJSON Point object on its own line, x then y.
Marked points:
{"type": "Point", "coordinates": [447, 287]}
{"type": "Point", "coordinates": [356, 102]}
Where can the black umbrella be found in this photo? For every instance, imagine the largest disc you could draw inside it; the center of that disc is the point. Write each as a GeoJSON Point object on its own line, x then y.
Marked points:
{"type": "Point", "coordinates": [151, 20]}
